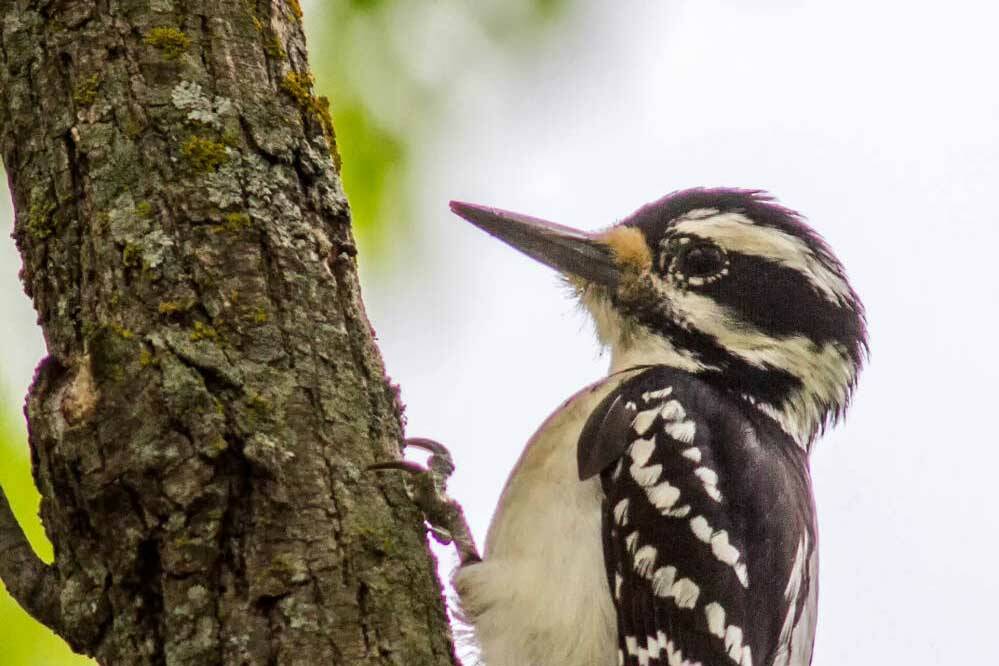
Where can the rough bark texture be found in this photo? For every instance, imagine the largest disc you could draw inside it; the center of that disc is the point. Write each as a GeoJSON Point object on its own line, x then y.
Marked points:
{"type": "Point", "coordinates": [213, 393]}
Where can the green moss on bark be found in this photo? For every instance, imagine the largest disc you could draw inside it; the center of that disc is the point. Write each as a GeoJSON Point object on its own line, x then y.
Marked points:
{"type": "Point", "coordinates": [171, 42]}
{"type": "Point", "coordinates": [144, 210]}
{"type": "Point", "coordinates": [273, 46]}
{"type": "Point", "coordinates": [86, 91]}
{"type": "Point", "coordinates": [296, 9]}
{"type": "Point", "coordinates": [203, 155]}
{"type": "Point", "coordinates": [42, 222]}
{"type": "Point", "coordinates": [299, 87]}
{"type": "Point", "coordinates": [235, 222]}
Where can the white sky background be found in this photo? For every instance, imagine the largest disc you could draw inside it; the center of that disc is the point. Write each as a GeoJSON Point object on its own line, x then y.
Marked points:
{"type": "Point", "coordinates": [879, 121]}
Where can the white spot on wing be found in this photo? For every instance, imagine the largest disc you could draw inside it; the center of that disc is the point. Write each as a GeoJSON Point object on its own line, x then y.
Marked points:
{"type": "Point", "coordinates": [663, 496]}
{"type": "Point", "coordinates": [723, 550]}
{"type": "Point", "coordinates": [693, 453]}
{"type": "Point", "coordinates": [645, 560]}
{"type": "Point", "coordinates": [681, 431]}
{"type": "Point", "coordinates": [641, 449]}
{"type": "Point", "coordinates": [731, 635]}
{"type": "Point", "coordinates": [716, 619]}
{"type": "Point", "coordinates": [672, 411]}
{"type": "Point", "coordinates": [685, 593]}
{"type": "Point", "coordinates": [662, 581]}
{"type": "Point", "coordinates": [709, 479]}
{"type": "Point", "coordinates": [654, 648]}
{"type": "Point", "coordinates": [742, 574]}
{"type": "Point", "coordinates": [733, 642]}
{"type": "Point", "coordinates": [707, 475]}
{"type": "Point", "coordinates": [631, 542]}
{"type": "Point", "coordinates": [621, 512]}
{"type": "Point", "coordinates": [646, 476]}
{"type": "Point", "coordinates": [650, 396]}
{"type": "Point", "coordinates": [701, 528]}
{"type": "Point", "coordinates": [643, 420]}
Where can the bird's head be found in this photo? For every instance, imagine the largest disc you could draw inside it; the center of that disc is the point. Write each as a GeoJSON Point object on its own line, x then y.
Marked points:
{"type": "Point", "coordinates": [723, 283]}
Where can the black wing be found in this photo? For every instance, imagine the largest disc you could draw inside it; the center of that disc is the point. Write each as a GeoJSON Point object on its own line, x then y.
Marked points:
{"type": "Point", "coordinates": [708, 525]}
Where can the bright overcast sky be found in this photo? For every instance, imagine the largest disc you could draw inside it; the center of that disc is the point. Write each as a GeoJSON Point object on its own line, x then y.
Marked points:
{"type": "Point", "coordinates": [878, 120]}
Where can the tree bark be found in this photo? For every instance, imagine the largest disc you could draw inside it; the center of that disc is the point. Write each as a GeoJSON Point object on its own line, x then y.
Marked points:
{"type": "Point", "coordinates": [213, 394]}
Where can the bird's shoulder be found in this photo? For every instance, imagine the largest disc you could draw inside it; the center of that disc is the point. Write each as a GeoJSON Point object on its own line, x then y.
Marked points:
{"type": "Point", "coordinates": [692, 410]}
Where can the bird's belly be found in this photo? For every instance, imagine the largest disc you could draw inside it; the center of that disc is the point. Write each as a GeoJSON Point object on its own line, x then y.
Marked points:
{"type": "Point", "coordinates": [540, 596]}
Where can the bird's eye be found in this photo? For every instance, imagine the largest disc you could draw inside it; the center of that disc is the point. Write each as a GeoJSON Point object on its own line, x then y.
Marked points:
{"type": "Point", "coordinates": [700, 260]}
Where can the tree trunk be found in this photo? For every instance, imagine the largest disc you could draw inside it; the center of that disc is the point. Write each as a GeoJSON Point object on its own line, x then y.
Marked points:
{"type": "Point", "coordinates": [200, 429]}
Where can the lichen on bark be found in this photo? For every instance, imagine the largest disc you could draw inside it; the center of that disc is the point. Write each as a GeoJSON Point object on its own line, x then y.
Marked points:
{"type": "Point", "coordinates": [212, 392]}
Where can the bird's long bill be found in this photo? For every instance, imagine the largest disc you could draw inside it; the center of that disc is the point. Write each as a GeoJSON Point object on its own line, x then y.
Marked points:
{"type": "Point", "coordinates": [570, 251]}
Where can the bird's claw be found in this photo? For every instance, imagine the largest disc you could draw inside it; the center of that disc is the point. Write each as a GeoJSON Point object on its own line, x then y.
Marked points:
{"type": "Point", "coordinates": [444, 516]}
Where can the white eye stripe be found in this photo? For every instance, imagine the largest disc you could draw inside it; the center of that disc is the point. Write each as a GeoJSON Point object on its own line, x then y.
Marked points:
{"type": "Point", "coordinates": [825, 371]}
{"type": "Point", "coordinates": [737, 233]}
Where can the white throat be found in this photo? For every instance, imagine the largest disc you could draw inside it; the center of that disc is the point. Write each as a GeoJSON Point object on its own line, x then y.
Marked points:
{"type": "Point", "coordinates": [631, 344]}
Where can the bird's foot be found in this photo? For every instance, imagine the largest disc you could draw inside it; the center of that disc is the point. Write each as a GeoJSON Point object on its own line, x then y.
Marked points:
{"type": "Point", "coordinates": [444, 516]}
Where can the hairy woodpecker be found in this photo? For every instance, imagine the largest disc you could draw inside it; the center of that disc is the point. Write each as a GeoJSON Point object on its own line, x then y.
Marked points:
{"type": "Point", "coordinates": [664, 514]}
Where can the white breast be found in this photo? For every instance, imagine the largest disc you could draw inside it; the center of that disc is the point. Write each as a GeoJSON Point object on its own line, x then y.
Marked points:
{"type": "Point", "coordinates": [540, 596]}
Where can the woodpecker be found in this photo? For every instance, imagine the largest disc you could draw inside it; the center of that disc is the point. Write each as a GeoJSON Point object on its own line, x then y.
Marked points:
{"type": "Point", "coordinates": [664, 514]}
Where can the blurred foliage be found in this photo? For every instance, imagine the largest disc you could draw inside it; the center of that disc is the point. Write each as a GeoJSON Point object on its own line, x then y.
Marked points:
{"type": "Point", "coordinates": [24, 642]}
{"type": "Point", "coordinates": [388, 67]}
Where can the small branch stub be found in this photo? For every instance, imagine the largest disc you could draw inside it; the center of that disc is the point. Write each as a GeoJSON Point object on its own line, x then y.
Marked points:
{"type": "Point", "coordinates": [32, 583]}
